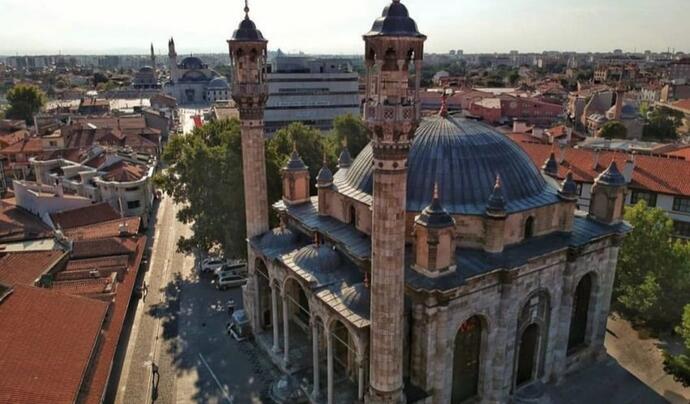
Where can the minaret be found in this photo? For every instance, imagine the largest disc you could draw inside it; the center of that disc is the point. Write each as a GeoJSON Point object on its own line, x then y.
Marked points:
{"type": "Point", "coordinates": [172, 60]}
{"type": "Point", "coordinates": [391, 113]}
{"type": "Point", "coordinates": [153, 58]}
{"type": "Point", "coordinates": [250, 92]}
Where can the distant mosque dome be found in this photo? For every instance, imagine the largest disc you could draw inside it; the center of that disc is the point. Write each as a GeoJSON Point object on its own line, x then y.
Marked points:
{"type": "Point", "coordinates": [192, 63]}
{"type": "Point", "coordinates": [218, 83]}
{"type": "Point", "coordinates": [464, 157]}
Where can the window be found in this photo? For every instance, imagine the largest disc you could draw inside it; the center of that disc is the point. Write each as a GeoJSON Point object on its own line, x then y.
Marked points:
{"type": "Point", "coordinates": [529, 227]}
{"type": "Point", "coordinates": [579, 189]}
{"type": "Point", "coordinates": [682, 229]}
{"type": "Point", "coordinates": [681, 205]}
{"type": "Point", "coordinates": [132, 189]}
{"type": "Point", "coordinates": [133, 204]}
{"type": "Point", "coordinates": [648, 197]}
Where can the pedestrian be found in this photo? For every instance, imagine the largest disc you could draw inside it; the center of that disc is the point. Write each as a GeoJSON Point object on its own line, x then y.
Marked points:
{"type": "Point", "coordinates": [231, 307]}
{"type": "Point", "coordinates": [144, 291]}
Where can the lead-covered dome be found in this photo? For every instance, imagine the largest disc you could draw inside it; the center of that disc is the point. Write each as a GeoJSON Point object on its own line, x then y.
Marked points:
{"type": "Point", "coordinates": [192, 63]}
{"type": "Point", "coordinates": [464, 157]}
{"type": "Point", "coordinates": [395, 21]}
{"type": "Point", "coordinates": [317, 259]}
{"type": "Point", "coordinates": [247, 31]}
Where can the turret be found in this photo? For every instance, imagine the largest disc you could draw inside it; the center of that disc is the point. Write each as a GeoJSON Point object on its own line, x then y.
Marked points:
{"type": "Point", "coordinates": [434, 232]}
{"type": "Point", "coordinates": [324, 182]}
{"type": "Point", "coordinates": [495, 221]}
{"type": "Point", "coordinates": [172, 61]}
{"type": "Point", "coordinates": [296, 180]}
{"type": "Point", "coordinates": [568, 195]}
{"type": "Point", "coordinates": [550, 166]}
{"type": "Point", "coordinates": [608, 196]}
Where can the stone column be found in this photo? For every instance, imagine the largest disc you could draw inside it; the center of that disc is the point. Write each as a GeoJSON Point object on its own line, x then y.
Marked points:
{"type": "Point", "coordinates": [315, 354]}
{"type": "Point", "coordinates": [274, 314]}
{"type": "Point", "coordinates": [504, 356]}
{"type": "Point", "coordinates": [286, 330]}
{"type": "Point", "coordinates": [560, 340]}
{"type": "Point", "coordinates": [360, 377]}
{"type": "Point", "coordinates": [329, 356]}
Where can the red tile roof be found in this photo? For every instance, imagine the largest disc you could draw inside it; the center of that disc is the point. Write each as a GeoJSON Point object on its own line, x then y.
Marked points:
{"type": "Point", "coordinates": [124, 171]}
{"type": "Point", "coordinates": [14, 137]}
{"type": "Point", "coordinates": [18, 224]}
{"type": "Point", "coordinates": [30, 145]}
{"type": "Point", "coordinates": [110, 228]}
{"type": "Point", "coordinates": [682, 104]}
{"type": "Point", "coordinates": [103, 247]}
{"type": "Point", "coordinates": [25, 268]}
{"type": "Point", "coordinates": [88, 215]}
{"type": "Point", "coordinates": [665, 175]}
{"type": "Point", "coordinates": [48, 340]}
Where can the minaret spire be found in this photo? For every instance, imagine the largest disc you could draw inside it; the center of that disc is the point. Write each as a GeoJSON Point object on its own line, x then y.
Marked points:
{"type": "Point", "coordinates": [246, 8]}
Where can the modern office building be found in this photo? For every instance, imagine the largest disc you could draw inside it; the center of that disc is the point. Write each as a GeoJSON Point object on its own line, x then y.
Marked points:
{"type": "Point", "coordinates": [311, 91]}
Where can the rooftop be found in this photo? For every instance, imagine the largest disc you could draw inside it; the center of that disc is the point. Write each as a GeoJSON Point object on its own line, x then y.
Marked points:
{"type": "Point", "coordinates": [88, 215]}
{"type": "Point", "coordinates": [26, 268]}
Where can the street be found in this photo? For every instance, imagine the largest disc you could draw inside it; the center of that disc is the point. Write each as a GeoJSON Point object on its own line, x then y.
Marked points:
{"type": "Point", "coordinates": [180, 327]}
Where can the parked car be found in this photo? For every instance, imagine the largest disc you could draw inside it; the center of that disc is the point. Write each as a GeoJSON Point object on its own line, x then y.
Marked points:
{"type": "Point", "coordinates": [230, 280]}
{"type": "Point", "coordinates": [239, 326]}
{"type": "Point", "coordinates": [211, 264]}
{"type": "Point", "coordinates": [237, 269]}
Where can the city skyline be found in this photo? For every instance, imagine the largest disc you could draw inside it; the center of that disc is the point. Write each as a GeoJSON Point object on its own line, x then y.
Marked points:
{"type": "Point", "coordinates": [473, 26]}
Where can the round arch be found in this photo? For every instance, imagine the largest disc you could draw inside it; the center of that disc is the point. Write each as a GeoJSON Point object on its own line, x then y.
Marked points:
{"type": "Point", "coordinates": [263, 283]}
{"type": "Point", "coordinates": [532, 337]}
{"type": "Point", "coordinates": [469, 356]}
{"type": "Point", "coordinates": [582, 312]}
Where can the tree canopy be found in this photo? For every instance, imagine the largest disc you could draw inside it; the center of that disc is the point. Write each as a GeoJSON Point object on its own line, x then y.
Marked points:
{"type": "Point", "coordinates": [349, 130]}
{"type": "Point", "coordinates": [613, 130]}
{"type": "Point", "coordinates": [25, 101]}
{"type": "Point", "coordinates": [662, 124]}
{"type": "Point", "coordinates": [679, 365]}
{"type": "Point", "coordinates": [204, 176]}
{"type": "Point", "coordinates": [653, 275]}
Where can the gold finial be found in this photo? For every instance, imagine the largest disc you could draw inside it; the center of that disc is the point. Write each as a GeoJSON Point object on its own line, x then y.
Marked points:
{"type": "Point", "coordinates": [246, 8]}
{"type": "Point", "coordinates": [436, 190]}
{"type": "Point", "coordinates": [498, 181]}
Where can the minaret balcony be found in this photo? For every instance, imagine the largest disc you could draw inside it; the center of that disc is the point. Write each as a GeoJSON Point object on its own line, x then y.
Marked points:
{"type": "Point", "coordinates": [241, 90]}
{"type": "Point", "coordinates": [390, 113]}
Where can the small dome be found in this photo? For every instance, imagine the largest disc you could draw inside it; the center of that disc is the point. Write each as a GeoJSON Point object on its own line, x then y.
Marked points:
{"type": "Point", "coordinates": [146, 69]}
{"type": "Point", "coordinates": [345, 159]}
{"type": "Point", "coordinates": [317, 259]}
{"type": "Point", "coordinates": [434, 215]}
{"type": "Point", "coordinates": [219, 83]}
{"type": "Point", "coordinates": [612, 176]}
{"type": "Point", "coordinates": [325, 176]}
{"type": "Point", "coordinates": [278, 239]}
{"type": "Point", "coordinates": [247, 31]}
{"type": "Point", "coordinates": [568, 189]}
{"type": "Point", "coordinates": [357, 298]}
{"type": "Point", "coordinates": [192, 63]}
{"type": "Point", "coordinates": [395, 21]}
{"type": "Point", "coordinates": [550, 166]}
{"type": "Point", "coordinates": [497, 202]}
{"type": "Point", "coordinates": [295, 163]}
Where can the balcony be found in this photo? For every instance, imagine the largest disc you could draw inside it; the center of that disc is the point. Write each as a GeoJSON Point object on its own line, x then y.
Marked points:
{"type": "Point", "coordinates": [390, 113]}
{"type": "Point", "coordinates": [249, 89]}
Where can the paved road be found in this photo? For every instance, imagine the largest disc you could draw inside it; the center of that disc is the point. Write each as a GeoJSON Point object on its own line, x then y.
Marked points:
{"type": "Point", "coordinates": [180, 328]}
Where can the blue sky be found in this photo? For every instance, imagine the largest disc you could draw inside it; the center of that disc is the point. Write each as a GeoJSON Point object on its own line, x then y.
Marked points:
{"type": "Point", "coordinates": [336, 26]}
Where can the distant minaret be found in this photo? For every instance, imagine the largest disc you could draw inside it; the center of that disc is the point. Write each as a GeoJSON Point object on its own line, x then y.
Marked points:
{"type": "Point", "coordinates": [172, 60]}
{"type": "Point", "coordinates": [153, 57]}
{"type": "Point", "coordinates": [392, 114]}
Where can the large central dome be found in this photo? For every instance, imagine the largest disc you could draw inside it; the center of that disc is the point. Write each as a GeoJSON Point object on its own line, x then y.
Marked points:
{"type": "Point", "coordinates": [464, 157]}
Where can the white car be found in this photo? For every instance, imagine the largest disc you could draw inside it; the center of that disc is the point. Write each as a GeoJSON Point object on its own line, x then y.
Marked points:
{"type": "Point", "coordinates": [237, 269]}
{"type": "Point", "coordinates": [211, 264]}
{"type": "Point", "coordinates": [230, 280]}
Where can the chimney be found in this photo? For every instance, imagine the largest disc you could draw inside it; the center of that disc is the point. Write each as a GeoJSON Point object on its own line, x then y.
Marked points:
{"type": "Point", "coordinates": [560, 157]}
{"type": "Point", "coordinates": [124, 231]}
{"type": "Point", "coordinates": [59, 190]}
{"type": "Point", "coordinates": [629, 168]}
{"type": "Point", "coordinates": [538, 132]}
{"type": "Point", "coordinates": [569, 135]}
{"type": "Point", "coordinates": [596, 156]}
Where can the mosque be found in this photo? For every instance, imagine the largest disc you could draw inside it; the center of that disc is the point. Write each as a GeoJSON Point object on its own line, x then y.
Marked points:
{"type": "Point", "coordinates": [193, 82]}
{"type": "Point", "coordinates": [440, 265]}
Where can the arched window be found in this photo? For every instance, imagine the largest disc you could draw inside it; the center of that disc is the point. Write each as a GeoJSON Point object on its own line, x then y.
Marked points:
{"type": "Point", "coordinates": [529, 228]}
{"type": "Point", "coordinates": [579, 314]}
{"type": "Point", "coordinates": [532, 339]}
{"type": "Point", "coordinates": [527, 360]}
{"type": "Point", "coordinates": [264, 289]}
{"type": "Point", "coordinates": [466, 360]}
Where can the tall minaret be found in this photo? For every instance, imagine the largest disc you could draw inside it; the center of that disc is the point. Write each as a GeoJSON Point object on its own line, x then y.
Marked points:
{"type": "Point", "coordinates": [250, 92]}
{"type": "Point", "coordinates": [153, 57]}
{"type": "Point", "coordinates": [172, 60]}
{"type": "Point", "coordinates": [392, 113]}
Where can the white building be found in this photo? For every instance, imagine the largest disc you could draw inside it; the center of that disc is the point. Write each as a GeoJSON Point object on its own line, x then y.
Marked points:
{"type": "Point", "coordinates": [311, 91]}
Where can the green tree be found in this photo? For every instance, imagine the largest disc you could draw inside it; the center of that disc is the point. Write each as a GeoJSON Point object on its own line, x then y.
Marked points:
{"type": "Point", "coordinates": [99, 77]}
{"type": "Point", "coordinates": [311, 144]}
{"type": "Point", "coordinates": [653, 274]}
{"type": "Point", "coordinates": [679, 365]}
{"type": "Point", "coordinates": [205, 177]}
{"type": "Point", "coordinates": [613, 130]}
{"type": "Point", "coordinates": [25, 101]}
{"type": "Point", "coordinates": [349, 130]}
{"type": "Point", "coordinates": [662, 124]}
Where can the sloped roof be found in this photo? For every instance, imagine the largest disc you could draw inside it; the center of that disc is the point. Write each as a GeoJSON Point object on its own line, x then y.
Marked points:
{"type": "Point", "coordinates": [125, 171]}
{"type": "Point", "coordinates": [103, 247]}
{"type": "Point", "coordinates": [25, 268]}
{"type": "Point", "coordinates": [88, 215]}
{"type": "Point", "coordinates": [18, 224]}
{"type": "Point", "coordinates": [110, 228]}
{"type": "Point", "coordinates": [28, 145]}
{"type": "Point", "coordinates": [665, 175]}
{"type": "Point", "coordinates": [48, 339]}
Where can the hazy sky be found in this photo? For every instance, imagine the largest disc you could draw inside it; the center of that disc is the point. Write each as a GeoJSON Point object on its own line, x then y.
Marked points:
{"type": "Point", "coordinates": [336, 26]}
